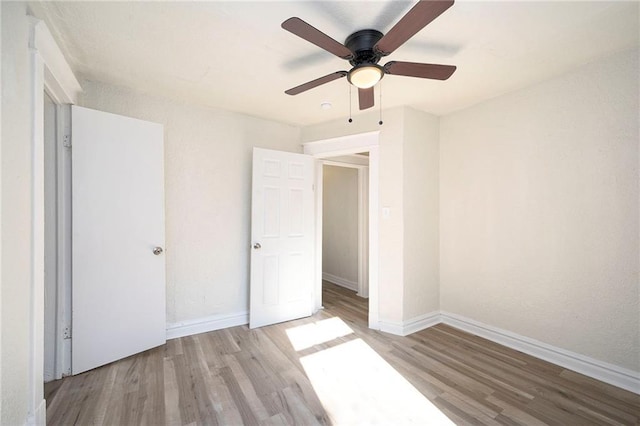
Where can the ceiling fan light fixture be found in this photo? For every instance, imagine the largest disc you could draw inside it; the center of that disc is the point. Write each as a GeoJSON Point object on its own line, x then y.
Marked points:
{"type": "Point", "coordinates": [365, 76]}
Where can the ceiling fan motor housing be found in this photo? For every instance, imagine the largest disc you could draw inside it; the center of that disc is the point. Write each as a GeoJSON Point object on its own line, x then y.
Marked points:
{"type": "Point", "coordinates": [361, 44]}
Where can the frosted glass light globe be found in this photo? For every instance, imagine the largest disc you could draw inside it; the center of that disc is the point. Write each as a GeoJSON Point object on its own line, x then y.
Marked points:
{"type": "Point", "coordinates": [365, 77]}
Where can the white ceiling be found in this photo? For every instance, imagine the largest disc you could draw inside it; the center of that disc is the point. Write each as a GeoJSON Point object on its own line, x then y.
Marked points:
{"type": "Point", "coordinates": [234, 55]}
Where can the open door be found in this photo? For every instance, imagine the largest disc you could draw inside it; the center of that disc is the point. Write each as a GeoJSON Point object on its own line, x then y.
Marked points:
{"type": "Point", "coordinates": [118, 298]}
{"type": "Point", "coordinates": [282, 237]}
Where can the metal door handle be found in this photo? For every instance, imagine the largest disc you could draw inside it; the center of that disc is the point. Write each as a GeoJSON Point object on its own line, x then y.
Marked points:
{"type": "Point", "coordinates": [157, 251]}
{"type": "Point", "coordinates": [257, 246]}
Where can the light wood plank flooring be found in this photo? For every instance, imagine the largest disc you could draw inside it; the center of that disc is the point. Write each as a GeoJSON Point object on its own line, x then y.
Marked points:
{"type": "Point", "coordinates": [270, 376]}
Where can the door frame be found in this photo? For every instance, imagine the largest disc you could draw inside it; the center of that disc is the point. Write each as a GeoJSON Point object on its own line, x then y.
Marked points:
{"type": "Point", "coordinates": [49, 72]}
{"type": "Point", "coordinates": [334, 147]}
{"type": "Point", "coordinates": [60, 199]}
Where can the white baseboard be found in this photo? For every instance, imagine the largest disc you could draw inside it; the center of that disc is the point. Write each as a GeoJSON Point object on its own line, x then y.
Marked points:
{"type": "Point", "coordinates": [203, 325]}
{"type": "Point", "coordinates": [608, 373]}
{"type": "Point", "coordinates": [421, 322]}
{"type": "Point", "coordinates": [342, 282]}
{"type": "Point", "coordinates": [412, 325]}
{"type": "Point", "coordinates": [605, 372]}
{"type": "Point", "coordinates": [393, 327]}
{"type": "Point", "coordinates": [39, 417]}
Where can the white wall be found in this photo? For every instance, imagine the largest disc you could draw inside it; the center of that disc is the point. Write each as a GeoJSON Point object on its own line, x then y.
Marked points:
{"type": "Point", "coordinates": [539, 212]}
{"type": "Point", "coordinates": [16, 169]}
{"type": "Point", "coordinates": [208, 198]}
{"type": "Point", "coordinates": [340, 225]}
{"type": "Point", "coordinates": [421, 214]}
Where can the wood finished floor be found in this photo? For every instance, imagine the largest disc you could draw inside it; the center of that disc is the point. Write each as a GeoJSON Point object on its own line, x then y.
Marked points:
{"type": "Point", "coordinates": [239, 376]}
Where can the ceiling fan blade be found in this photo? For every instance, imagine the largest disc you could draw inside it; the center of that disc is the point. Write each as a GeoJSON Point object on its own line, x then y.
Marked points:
{"type": "Point", "coordinates": [303, 30]}
{"type": "Point", "coordinates": [365, 98]}
{"type": "Point", "coordinates": [415, 20]}
{"type": "Point", "coordinates": [414, 69]}
{"type": "Point", "coordinates": [315, 83]}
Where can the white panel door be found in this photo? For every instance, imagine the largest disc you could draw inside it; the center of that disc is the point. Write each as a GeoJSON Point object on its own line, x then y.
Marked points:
{"type": "Point", "coordinates": [282, 233]}
{"type": "Point", "coordinates": [118, 283]}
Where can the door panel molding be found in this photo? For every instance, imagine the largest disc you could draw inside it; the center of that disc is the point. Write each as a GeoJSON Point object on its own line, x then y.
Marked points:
{"type": "Point", "coordinates": [282, 237]}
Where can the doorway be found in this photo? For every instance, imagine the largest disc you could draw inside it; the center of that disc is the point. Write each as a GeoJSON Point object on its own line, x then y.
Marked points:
{"type": "Point", "coordinates": [345, 212]}
{"type": "Point", "coordinates": [325, 151]}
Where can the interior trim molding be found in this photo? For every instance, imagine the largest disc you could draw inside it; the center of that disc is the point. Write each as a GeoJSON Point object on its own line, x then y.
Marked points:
{"type": "Point", "coordinates": [49, 72]}
{"type": "Point", "coordinates": [421, 322]}
{"type": "Point", "coordinates": [596, 369]}
{"type": "Point", "coordinates": [59, 80]}
{"type": "Point", "coordinates": [411, 325]}
{"type": "Point", "coordinates": [206, 324]}
{"type": "Point", "coordinates": [600, 370]}
{"type": "Point", "coordinates": [393, 327]}
{"type": "Point", "coordinates": [39, 416]}
{"type": "Point", "coordinates": [342, 282]}
{"type": "Point", "coordinates": [342, 145]}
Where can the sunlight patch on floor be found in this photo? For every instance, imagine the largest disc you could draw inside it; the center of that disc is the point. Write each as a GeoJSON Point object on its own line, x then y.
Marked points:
{"type": "Point", "coordinates": [358, 387]}
{"type": "Point", "coordinates": [308, 335]}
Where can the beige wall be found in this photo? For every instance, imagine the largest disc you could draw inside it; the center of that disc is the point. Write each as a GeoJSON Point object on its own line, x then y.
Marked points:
{"type": "Point", "coordinates": [208, 155]}
{"type": "Point", "coordinates": [421, 214]}
{"type": "Point", "coordinates": [340, 224]}
{"type": "Point", "coordinates": [16, 244]}
{"type": "Point", "coordinates": [539, 212]}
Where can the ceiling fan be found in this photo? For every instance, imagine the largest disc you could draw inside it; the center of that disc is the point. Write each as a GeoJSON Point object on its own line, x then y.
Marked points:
{"type": "Point", "coordinates": [364, 49]}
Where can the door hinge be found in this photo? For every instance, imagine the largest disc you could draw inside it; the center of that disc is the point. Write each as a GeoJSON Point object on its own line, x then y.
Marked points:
{"type": "Point", "coordinates": [66, 333]}
{"type": "Point", "coordinates": [66, 141]}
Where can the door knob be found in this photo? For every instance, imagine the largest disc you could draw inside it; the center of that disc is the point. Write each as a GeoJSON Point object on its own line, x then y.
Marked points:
{"type": "Point", "coordinates": [157, 251]}
{"type": "Point", "coordinates": [257, 246]}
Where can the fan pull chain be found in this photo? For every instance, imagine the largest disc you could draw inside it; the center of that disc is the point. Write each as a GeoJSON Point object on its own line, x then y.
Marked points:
{"type": "Point", "coordinates": [350, 97]}
{"type": "Point", "coordinates": [380, 90]}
